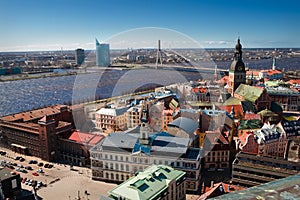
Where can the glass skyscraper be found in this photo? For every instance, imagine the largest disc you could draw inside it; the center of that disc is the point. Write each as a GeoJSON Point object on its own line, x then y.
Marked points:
{"type": "Point", "coordinates": [102, 54]}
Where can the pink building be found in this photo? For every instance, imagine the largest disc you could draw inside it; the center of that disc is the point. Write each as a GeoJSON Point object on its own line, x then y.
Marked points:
{"type": "Point", "coordinates": [247, 143]}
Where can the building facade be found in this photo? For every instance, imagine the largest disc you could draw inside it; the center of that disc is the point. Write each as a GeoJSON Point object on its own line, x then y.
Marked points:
{"type": "Point", "coordinates": [75, 148]}
{"type": "Point", "coordinates": [288, 98]}
{"type": "Point", "coordinates": [36, 132]}
{"type": "Point", "coordinates": [114, 119]}
{"type": "Point", "coordinates": [121, 155]}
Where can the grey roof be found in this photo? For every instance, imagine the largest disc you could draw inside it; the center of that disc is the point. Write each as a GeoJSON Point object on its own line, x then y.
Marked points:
{"type": "Point", "coordinates": [186, 124]}
{"type": "Point", "coordinates": [5, 173]}
{"type": "Point", "coordinates": [121, 111]}
{"type": "Point", "coordinates": [119, 140]}
{"type": "Point", "coordinates": [167, 144]}
{"type": "Point", "coordinates": [248, 106]}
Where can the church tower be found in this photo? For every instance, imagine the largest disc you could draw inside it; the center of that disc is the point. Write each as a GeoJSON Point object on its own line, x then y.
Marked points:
{"type": "Point", "coordinates": [237, 72]}
{"type": "Point", "coordinates": [144, 129]}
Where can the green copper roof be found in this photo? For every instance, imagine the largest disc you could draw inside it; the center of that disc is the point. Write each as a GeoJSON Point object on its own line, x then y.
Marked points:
{"type": "Point", "coordinates": [232, 101]}
{"type": "Point", "coordinates": [147, 184]}
{"type": "Point", "coordinates": [250, 124]}
{"type": "Point", "coordinates": [267, 112]}
{"type": "Point", "coordinates": [250, 93]}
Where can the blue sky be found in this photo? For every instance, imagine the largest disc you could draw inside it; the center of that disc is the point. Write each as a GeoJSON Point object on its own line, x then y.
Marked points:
{"type": "Point", "coordinates": [52, 24]}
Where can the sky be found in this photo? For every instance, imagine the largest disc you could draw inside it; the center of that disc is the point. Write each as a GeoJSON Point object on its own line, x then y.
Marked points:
{"type": "Point", "coordinates": [70, 24]}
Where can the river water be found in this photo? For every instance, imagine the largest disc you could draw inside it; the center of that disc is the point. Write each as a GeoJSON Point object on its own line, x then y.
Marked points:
{"type": "Point", "coordinates": [23, 95]}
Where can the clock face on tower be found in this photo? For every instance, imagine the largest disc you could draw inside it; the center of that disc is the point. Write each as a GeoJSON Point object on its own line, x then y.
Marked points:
{"type": "Point", "coordinates": [240, 68]}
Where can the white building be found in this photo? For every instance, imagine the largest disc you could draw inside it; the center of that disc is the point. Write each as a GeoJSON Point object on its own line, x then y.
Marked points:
{"type": "Point", "coordinates": [121, 155]}
{"type": "Point", "coordinates": [102, 54]}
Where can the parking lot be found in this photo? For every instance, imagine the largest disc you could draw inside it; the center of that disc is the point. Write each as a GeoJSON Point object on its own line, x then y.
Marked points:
{"type": "Point", "coordinates": [56, 181]}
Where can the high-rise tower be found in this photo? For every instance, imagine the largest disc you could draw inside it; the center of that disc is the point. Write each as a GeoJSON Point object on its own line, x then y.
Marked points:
{"type": "Point", "coordinates": [79, 56]}
{"type": "Point", "coordinates": [102, 54]}
{"type": "Point", "coordinates": [237, 71]}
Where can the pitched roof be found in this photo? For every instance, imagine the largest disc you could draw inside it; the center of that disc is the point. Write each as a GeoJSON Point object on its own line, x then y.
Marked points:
{"type": "Point", "coordinates": [186, 124]}
{"type": "Point", "coordinates": [250, 124]}
{"type": "Point", "coordinates": [232, 101]}
{"type": "Point", "coordinates": [34, 114]}
{"type": "Point", "coordinates": [148, 184]}
{"type": "Point", "coordinates": [85, 138]}
{"type": "Point", "coordinates": [120, 140]}
{"type": "Point", "coordinates": [250, 93]}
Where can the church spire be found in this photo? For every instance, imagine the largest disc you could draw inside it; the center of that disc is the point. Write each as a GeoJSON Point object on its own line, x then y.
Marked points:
{"type": "Point", "coordinates": [238, 50]}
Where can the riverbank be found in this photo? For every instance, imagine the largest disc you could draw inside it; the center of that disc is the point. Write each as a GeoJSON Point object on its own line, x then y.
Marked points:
{"type": "Point", "coordinates": [35, 76]}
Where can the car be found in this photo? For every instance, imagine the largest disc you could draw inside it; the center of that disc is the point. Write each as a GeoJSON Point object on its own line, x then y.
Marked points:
{"type": "Point", "coordinates": [10, 167]}
{"type": "Point", "coordinates": [20, 166]}
{"type": "Point", "coordinates": [40, 164]}
{"type": "Point", "coordinates": [24, 180]}
{"type": "Point", "coordinates": [50, 166]}
{"type": "Point", "coordinates": [13, 173]}
{"type": "Point", "coordinates": [39, 184]}
{"type": "Point", "coordinates": [18, 157]}
{"type": "Point", "coordinates": [28, 167]}
{"type": "Point", "coordinates": [22, 159]}
{"type": "Point", "coordinates": [27, 181]}
{"type": "Point", "coordinates": [35, 174]}
{"type": "Point", "coordinates": [40, 170]}
{"type": "Point", "coordinates": [32, 162]}
{"type": "Point", "coordinates": [46, 165]}
{"type": "Point", "coordinates": [2, 153]}
{"type": "Point", "coordinates": [15, 164]}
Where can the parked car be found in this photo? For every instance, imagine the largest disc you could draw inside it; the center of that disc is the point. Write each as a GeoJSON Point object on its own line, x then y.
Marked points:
{"type": "Point", "coordinates": [40, 164]}
{"type": "Point", "coordinates": [40, 170]}
{"type": "Point", "coordinates": [2, 153]}
{"type": "Point", "coordinates": [18, 157]}
{"type": "Point", "coordinates": [35, 174]}
{"type": "Point", "coordinates": [27, 181]}
{"type": "Point", "coordinates": [22, 159]}
{"type": "Point", "coordinates": [33, 162]}
{"type": "Point", "coordinates": [10, 167]}
{"type": "Point", "coordinates": [28, 167]}
{"type": "Point", "coordinates": [39, 184]}
{"type": "Point", "coordinates": [21, 166]}
{"type": "Point", "coordinates": [24, 180]}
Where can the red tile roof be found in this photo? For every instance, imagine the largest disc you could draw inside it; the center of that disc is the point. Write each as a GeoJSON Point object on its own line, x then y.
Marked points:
{"type": "Point", "coordinates": [252, 116]}
{"type": "Point", "coordinates": [255, 73]}
{"type": "Point", "coordinates": [226, 189]}
{"type": "Point", "coordinates": [85, 138]}
{"type": "Point", "coordinates": [238, 109]}
{"type": "Point", "coordinates": [33, 114]}
{"type": "Point", "coordinates": [294, 81]}
{"type": "Point", "coordinates": [199, 89]}
{"type": "Point", "coordinates": [224, 80]}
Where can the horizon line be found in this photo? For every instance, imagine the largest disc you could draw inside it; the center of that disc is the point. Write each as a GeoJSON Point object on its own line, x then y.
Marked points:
{"type": "Point", "coordinates": [116, 49]}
